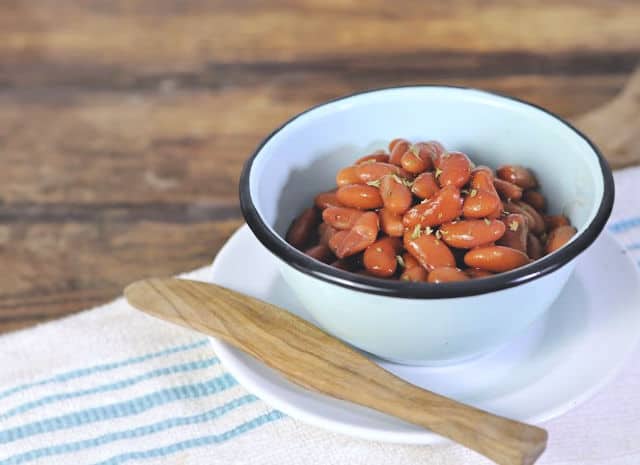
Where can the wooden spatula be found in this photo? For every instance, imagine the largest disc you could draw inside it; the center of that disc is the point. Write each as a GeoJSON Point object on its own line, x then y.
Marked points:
{"type": "Point", "coordinates": [315, 360]}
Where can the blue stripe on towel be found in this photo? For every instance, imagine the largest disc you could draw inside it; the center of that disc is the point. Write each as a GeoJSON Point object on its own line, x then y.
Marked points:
{"type": "Point", "coordinates": [118, 410]}
{"type": "Point", "coordinates": [140, 431]}
{"type": "Point", "coordinates": [179, 368]}
{"type": "Point", "coordinates": [624, 225]}
{"type": "Point", "coordinates": [62, 377]}
{"type": "Point", "coordinates": [195, 442]}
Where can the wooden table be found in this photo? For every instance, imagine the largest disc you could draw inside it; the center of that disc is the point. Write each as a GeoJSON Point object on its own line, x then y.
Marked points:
{"type": "Point", "coordinates": [124, 124]}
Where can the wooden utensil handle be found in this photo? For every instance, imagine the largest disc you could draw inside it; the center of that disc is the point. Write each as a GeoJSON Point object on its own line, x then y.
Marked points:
{"type": "Point", "coordinates": [313, 359]}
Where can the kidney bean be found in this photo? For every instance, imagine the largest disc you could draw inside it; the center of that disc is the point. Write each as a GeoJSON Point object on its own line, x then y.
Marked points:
{"type": "Point", "coordinates": [341, 217]}
{"type": "Point", "coordinates": [396, 197]}
{"type": "Point", "coordinates": [437, 152]}
{"type": "Point", "coordinates": [482, 179]}
{"type": "Point", "coordinates": [559, 237]}
{"type": "Point", "coordinates": [516, 232]}
{"type": "Point", "coordinates": [400, 147]}
{"type": "Point", "coordinates": [467, 234]}
{"type": "Point", "coordinates": [493, 236]}
{"type": "Point", "coordinates": [347, 176]}
{"type": "Point", "coordinates": [372, 172]}
{"type": "Point", "coordinates": [474, 273]}
{"type": "Point", "coordinates": [380, 257]}
{"type": "Point", "coordinates": [518, 175]}
{"type": "Point", "coordinates": [443, 207]}
{"type": "Point", "coordinates": [417, 159]}
{"type": "Point", "coordinates": [325, 232]}
{"type": "Point", "coordinates": [454, 170]}
{"type": "Point", "coordinates": [496, 258]}
{"type": "Point", "coordinates": [534, 247]}
{"type": "Point", "coordinates": [351, 263]}
{"type": "Point", "coordinates": [430, 251]}
{"type": "Point", "coordinates": [446, 275]}
{"type": "Point", "coordinates": [395, 142]}
{"type": "Point", "coordinates": [535, 199]}
{"type": "Point", "coordinates": [320, 252]}
{"type": "Point", "coordinates": [358, 238]}
{"type": "Point", "coordinates": [377, 156]}
{"type": "Point", "coordinates": [390, 223]}
{"type": "Point", "coordinates": [416, 274]}
{"type": "Point", "coordinates": [327, 199]}
{"type": "Point", "coordinates": [480, 204]}
{"type": "Point", "coordinates": [301, 230]}
{"type": "Point", "coordinates": [425, 185]}
{"type": "Point", "coordinates": [409, 261]}
{"type": "Point", "coordinates": [507, 190]}
{"type": "Point", "coordinates": [553, 221]}
{"type": "Point", "coordinates": [359, 196]}
{"type": "Point", "coordinates": [534, 219]}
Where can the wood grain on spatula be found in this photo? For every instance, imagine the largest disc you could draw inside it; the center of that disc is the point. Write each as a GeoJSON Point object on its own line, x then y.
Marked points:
{"type": "Point", "coordinates": [316, 360]}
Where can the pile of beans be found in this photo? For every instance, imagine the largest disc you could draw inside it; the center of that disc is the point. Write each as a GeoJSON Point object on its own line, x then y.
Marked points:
{"type": "Point", "coordinates": [422, 213]}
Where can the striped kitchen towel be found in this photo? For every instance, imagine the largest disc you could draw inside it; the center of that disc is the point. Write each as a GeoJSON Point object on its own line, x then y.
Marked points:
{"type": "Point", "coordinates": [111, 386]}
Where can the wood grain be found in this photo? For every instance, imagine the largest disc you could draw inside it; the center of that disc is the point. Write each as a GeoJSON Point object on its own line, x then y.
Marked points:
{"type": "Point", "coordinates": [316, 360]}
{"type": "Point", "coordinates": [124, 124]}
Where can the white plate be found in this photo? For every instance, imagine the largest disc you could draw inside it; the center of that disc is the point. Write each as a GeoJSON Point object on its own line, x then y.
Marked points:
{"type": "Point", "coordinates": [562, 361]}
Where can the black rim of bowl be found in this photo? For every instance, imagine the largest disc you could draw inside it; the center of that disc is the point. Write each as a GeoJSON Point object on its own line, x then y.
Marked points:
{"type": "Point", "coordinates": [402, 289]}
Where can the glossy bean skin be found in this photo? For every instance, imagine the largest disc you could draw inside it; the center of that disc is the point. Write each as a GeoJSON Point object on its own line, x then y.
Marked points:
{"type": "Point", "coordinates": [347, 175]}
{"type": "Point", "coordinates": [428, 250]}
{"type": "Point", "coordinates": [417, 159]}
{"type": "Point", "coordinates": [553, 221]}
{"type": "Point", "coordinates": [375, 171]}
{"type": "Point", "coordinates": [362, 235]}
{"type": "Point", "coordinates": [409, 261]}
{"type": "Point", "coordinates": [467, 234]}
{"type": "Point", "coordinates": [534, 247]}
{"type": "Point", "coordinates": [395, 142]}
{"type": "Point", "coordinates": [362, 197]}
{"type": "Point", "coordinates": [518, 175]}
{"type": "Point", "coordinates": [341, 217]}
{"type": "Point", "coordinates": [535, 199]}
{"type": "Point", "coordinates": [325, 232]}
{"type": "Point", "coordinates": [390, 223]}
{"type": "Point", "coordinates": [482, 183]}
{"type": "Point", "coordinates": [534, 219]}
{"type": "Point", "coordinates": [507, 190]}
{"type": "Point", "coordinates": [496, 258]}
{"type": "Point", "coordinates": [482, 179]}
{"type": "Point", "coordinates": [516, 232]}
{"type": "Point", "coordinates": [445, 206]}
{"type": "Point", "coordinates": [425, 186]}
{"type": "Point", "coordinates": [446, 275]}
{"type": "Point", "coordinates": [302, 229]}
{"type": "Point", "coordinates": [377, 156]}
{"type": "Point", "coordinates": [455, 170]}
{"type": "Point", "coordinates": [475, 273]}
{"type": "Point", "coordinates": [559, 237]}
{"type": "Point", "coordinates": [380, 257]}
{"type": "Point", "coordinates": [481, 204]}
{"type": "Point", "coordinates": [320, 252]}
{"type": "Point", "coordinates": [400, 147]}
{"type": "Point", "coordinates": [416, 275]}
{"type": "Point", "coordinates": [396, 197]}
{"type": "Point", "coordinates": [437, 152]}
{"type": "Point", "coordinates": [327, 199]}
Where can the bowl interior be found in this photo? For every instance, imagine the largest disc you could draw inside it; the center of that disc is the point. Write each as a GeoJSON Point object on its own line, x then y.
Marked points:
{"type": "Point", "coordinates": [302, 158]}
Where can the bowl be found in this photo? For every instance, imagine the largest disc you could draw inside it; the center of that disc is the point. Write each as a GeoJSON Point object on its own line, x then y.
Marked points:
{"type": "Point", "coordinates": [420, 323]}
